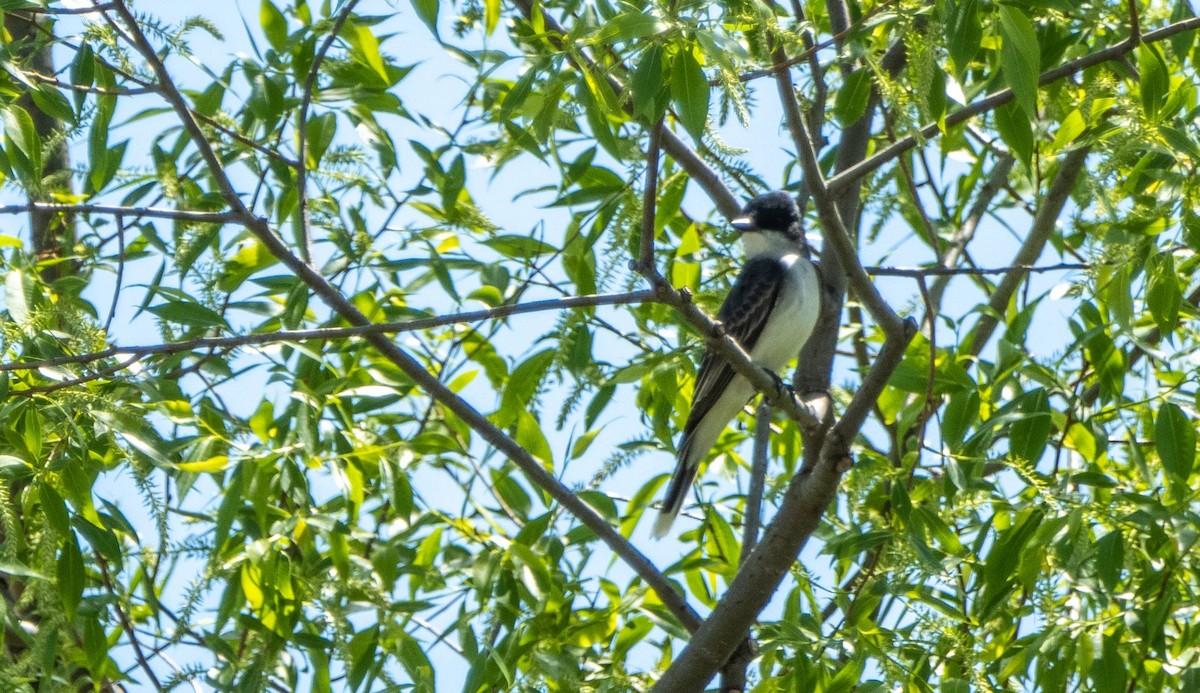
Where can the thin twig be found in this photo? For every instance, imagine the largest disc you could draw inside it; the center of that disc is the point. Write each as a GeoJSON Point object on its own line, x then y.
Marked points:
{"type": "Point", "coordinates": [112, 309]}
{"type": "Point", "coordinates": [197, 216]}
{"type": "Point", "coordinates": [125, 624]}
{"type": "Point", "coordinates": [646, 265]}
{"type": "Point", "coordinates": [336, 333]}
{"type": "Point", "coordinates": [87, 89]}
{"type": "Point", "coordinates": [310, 84]}
{"type": "Point", "coordinates": [758, 476]}
{"type": "Point", "coordinates": [956, 271]}
{"type": "Point", "coordinates": [957, 249]}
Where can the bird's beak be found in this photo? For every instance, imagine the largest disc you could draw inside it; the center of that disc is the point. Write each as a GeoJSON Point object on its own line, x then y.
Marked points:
{"type": "Point", "coordinates": [742, 224]}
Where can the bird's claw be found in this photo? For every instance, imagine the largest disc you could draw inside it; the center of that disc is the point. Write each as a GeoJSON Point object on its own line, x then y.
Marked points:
{"type": "Point", "coordinates": [782, 389]}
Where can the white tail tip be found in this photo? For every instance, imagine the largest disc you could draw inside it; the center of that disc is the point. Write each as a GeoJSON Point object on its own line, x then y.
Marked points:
{"type": "Point", "coordinates": [662, 524]}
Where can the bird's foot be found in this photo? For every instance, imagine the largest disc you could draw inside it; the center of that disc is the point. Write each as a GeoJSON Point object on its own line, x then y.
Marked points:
{"type": "Point", "coordinates": [782, 389]}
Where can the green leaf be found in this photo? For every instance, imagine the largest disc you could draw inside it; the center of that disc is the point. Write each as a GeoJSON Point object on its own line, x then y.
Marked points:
{"type": "Point", "coordinates": [250, 259]}
{"type": "Point", "coordinates": [318, 135]}
{"type": "Point", "coordinates": [364, 39]}
{"type": "Point", "coordinates": [597, 117]}
{"type": "Point", "coordinates": [1164, 297]}
{"type": "Point", "coordinates": [1110, 558]}
{"type": "Point", "coordinates": [54, 509]}
{"type": "Point", "coordinates": [1179, 141]}
{"type": "Point", "coordinates": [106, 104]}
{"type": "Point", "coordinates": [53, 103]}
{"type": "Point", "coordinates": [1118, 297]}
{"type": "Point", "coordinates": [101, 539]}
{"type": "Point", "coordinates": [95, 644]}
{"type": "Point", "coordinates": [961, 412]}
{"type": "Point", "coordinates": [1175, 436]}
{"type": "Point", "coordinates": [689, 91]}
{"type": "Point", "coordinates": [523, 384]}
{"type": "Point", "coordinates": [18, 570]}
{"type": "Point", "coordinates": [648, 86]}
{"type": "Point", "coordinates": [1029, 434]}
{"type": "Point", "coordinates": [519, 247]}
{"type": "Point", "coordinates": [274, 25]}
{"type": "Point", "coordinates": [517, 95]}
{"type": "Point", "coordinates": [1016, 131]}
{"type": "Point", "coordinates": [1108, 672]}
{"type": "Point", "coordinates": [83, 73]}
{"type": "Point", "coordinates": [631, 25]}
{"type": "Point", "coordinates": [70, 574]}
{"type": "Point", "coordinates": [491, 15]}
{"type": "Point", "coordinates": [1020, 58]}
{"type": "Point", "coordinates": [853, 97]}
{"type": "Point", "coordinates": [25, 150]}
{"type": "Point", "coordinates": [31, 425]}
{"type": "Point", "coordinates": [17, 291]}
{"type": "Point", "coordinates": [427, 10]}
{"type": "Point", "coordinates": [1154, 82]}
{"type": "Point", "coordinates": [190, 314]}
{"type": "Point", "coordinates": [965, 34]}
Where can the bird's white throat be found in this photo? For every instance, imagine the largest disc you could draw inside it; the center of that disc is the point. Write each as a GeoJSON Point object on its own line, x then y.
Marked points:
{"type": "Point", "coordinates": [768, 243]}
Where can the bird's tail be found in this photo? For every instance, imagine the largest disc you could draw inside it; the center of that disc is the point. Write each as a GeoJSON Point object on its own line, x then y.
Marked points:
{"type": "Point", "coordinates": [681, 481]}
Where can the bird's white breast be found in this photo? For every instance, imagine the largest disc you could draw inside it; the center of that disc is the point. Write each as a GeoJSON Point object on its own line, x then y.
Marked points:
{"type": "Point", "coordinates": [794, 315]}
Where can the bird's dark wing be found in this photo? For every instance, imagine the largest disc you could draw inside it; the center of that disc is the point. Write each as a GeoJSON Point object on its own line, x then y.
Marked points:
{"type": "Point", "coordinates": [743, 314]}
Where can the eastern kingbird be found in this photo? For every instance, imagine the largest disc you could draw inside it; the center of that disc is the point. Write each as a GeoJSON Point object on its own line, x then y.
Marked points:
{"type": "Point", "coordinates": [771, 311]}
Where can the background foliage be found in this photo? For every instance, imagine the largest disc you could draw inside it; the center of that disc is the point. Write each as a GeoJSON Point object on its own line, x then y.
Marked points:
{"type": "Point", "coordinates": [218, 503]}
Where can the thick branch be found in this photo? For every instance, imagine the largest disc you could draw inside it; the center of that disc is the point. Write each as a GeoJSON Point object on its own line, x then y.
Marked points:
{"type": "Point", "coordinates": [1043, 225]}
{"type": "Point", "coordinates": [758, 578]}
{"type": "Point", "coordinates": [838, 237]}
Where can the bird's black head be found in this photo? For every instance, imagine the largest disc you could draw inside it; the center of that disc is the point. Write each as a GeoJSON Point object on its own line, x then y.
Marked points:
{"type": "Point", "coordinates": [774, 211]}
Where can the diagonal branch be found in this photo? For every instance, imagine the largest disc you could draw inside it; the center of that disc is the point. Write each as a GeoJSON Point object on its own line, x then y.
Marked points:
{"type": "Point", "coordinates": [839, 238]}
{"type": "Point", "coordinates": [966, 231]}
{"type": "Point", "coordinates": [1043, 225]}
{"type": "Point", "coordinates": [809, 494]}
{"type": "Point", "coordinates": [850, 175]}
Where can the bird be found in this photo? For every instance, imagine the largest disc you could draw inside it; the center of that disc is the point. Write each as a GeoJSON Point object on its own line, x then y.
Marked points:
{"type": "Point", "coordinates": [771, 311]}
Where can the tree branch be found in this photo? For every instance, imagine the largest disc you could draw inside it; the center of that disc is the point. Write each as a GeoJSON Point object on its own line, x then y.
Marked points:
{"type": "Point", "coordinates": [966, 231]}
{"type": "Point", "coordinates": [940, 272]}
{"type": "Point", "coordinates": [336, 333]}
{"type": "Point", "coordinates": [645, 261]}
{"type": "Point", "coordinates": [839, 238]}
{"type": "Point", "coordinates": [310, 83]}
{"type": "Point", "coordinates": [804, 504]}
{"type": "Point", "coordinates": [195, 216]}
{"type": "Point", "coordinates": [1043, 225]}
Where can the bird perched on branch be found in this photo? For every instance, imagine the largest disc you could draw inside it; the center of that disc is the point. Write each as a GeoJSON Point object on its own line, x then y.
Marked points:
{"type": "Point", "coordinates": [771, 311]}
